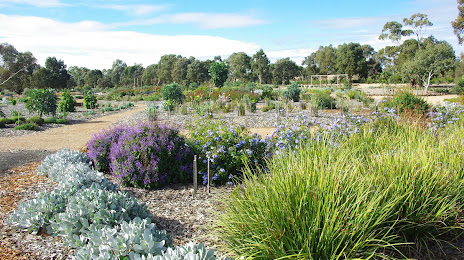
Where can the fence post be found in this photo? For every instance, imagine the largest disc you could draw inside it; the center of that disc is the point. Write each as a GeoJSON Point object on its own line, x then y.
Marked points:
{"type": "Point", "coordinates": [195, 180]}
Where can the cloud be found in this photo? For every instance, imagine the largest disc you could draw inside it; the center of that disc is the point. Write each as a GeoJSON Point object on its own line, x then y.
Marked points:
{"type": "Point", "coordinates": [38, 3]}
{"type": "Point", "coordinates": [136, 9]}
{"type": "Point", "coordinates": [203, 20]}
{"type": "Point", "coordinates": [93, 45]}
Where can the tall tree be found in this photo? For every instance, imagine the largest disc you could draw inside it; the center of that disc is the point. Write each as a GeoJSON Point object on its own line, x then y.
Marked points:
{"type": "Point", "coordinates": [430, 61]}
{"type": "Point", "coordinates": [92, 77]}
{"type": "Point", "coordinates": [131, 75]}
{"type": "Point", "coordinates": [116, 71]}
{"type": "Point", "coordinates": [218, 72]}
{"type": "Point", "coordinates": [351, 61]}
{"type": "Point", "coordinates": [260, 66]}
{"type": "Point", "coordinates": [458, 24]}
{"type": "Point", "coordinates": [394, 31]}
{"type": "Point", "coordinates": [180, 69]}
{"type": "Point", "coordinates": [16, 68]}
{"type": "Point", "coordinates": [239, 66]}
{"type": "Point", "coordinates": [78, 75]}
{"type": "Point", "coordinates": [310, 64]}
{"type": "Point", "coordinates": [198, 72]}
{"type": "Point", "coordinates": [150, 75]}
{"type": "Point", "coordinates": [165, 67]}
{"type": "Point", "coordinates": [58, 75]}
{"type": "Point", "coordinates": [418, 22]}
{"type": "Point", "coordinates": [285, 70]}
{"type": "Point", "coordinates": [326, 59]}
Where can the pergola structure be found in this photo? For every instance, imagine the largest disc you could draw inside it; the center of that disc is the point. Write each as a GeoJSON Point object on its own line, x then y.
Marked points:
{"type": "Point", "coordinates": [338, 76]}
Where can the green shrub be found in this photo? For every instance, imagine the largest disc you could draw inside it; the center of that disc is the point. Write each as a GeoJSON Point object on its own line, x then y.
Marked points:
{"type": "Point", "coordinates": [6, 121]}
{"type": "Point", "coordinates": [41, 101]}
{"type": "Point", "coordinates": [62, 121]}
{"type": "Point", "coordinates": [36, 120]}
{"type": "Point", "coordinates": [17, 119]}
{"type": "Point", "coordinates": [406, 101]}
{"type": "Point", "coordinates": [67, 102]}
{"type": "Point", "coordinates": [13, 102]}
{"type": "Point", "coordinates": [90, 101]}
{"type": "Point", "coordinates": [321, 97]}
{"type": "Point", "coordinates": [28, 126]}
{"type": "Point", "coordinates": [50, 120]}
{"type": "Point", "coordinates": [292, 92]}
{"type": "Point", "coordinates": [173, 92]}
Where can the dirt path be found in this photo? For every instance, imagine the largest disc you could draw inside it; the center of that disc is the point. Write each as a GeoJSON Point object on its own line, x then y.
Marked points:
{"type": "Point", "coordinates": [73, 137]}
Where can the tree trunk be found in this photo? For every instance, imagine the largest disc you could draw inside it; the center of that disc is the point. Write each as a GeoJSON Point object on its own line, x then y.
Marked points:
{"type": "Point", "coordinates": [428, 82]}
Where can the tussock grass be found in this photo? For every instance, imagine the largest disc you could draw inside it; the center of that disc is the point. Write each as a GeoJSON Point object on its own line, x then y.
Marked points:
{"type": "Point", "coordinates": [373, 194]}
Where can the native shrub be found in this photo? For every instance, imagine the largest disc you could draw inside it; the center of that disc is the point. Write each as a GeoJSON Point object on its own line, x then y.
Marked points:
{"type": "Point", "coordinates": [292, 92]}
{"type": "Point", "coordinates": [27, 126]}
{"type": "Point", "coordinates": [150, 156]}
{"type": "Point", "coordinates": [404, 100]}
{"type": "Point", "coordinates": [67, 102]}
{"type": "Point", "coordinates": [36, 120]}
{"type": "Point", "coordinates": [173, 92]}
{"type": "Point", "coordinates": [227, 148]}
{"type": "Point", "coordinates": [90, 101]}
{"type": "Point", "coordinates": [100, 144]}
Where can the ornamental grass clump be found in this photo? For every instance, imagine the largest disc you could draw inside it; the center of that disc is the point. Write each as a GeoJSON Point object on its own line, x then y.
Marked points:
{"type": "Point", "coordinates": [150, 156]}
{"type": "Point", "coordinates": [373, 195]}
{"type": "Point", "coordinates": [228, 149]}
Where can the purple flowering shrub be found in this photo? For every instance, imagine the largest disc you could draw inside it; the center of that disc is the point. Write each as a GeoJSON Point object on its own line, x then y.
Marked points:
{"type": "Point", "coordinates": [100, 144]}
{"type": "Point", "coordinates": [150, 156]}
{"type": "Point", "coordinates": [228, 148]}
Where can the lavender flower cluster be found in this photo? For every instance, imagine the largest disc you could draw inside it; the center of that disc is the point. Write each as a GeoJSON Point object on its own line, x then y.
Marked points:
{"type": "Point", "coordinates": [144, 156]}
{"type": "Point", "coordinates": [100, 144]}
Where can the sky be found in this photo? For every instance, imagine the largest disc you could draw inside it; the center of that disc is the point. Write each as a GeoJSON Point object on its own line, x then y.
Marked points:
{"type": "Point", "coordinates": [95, 33]}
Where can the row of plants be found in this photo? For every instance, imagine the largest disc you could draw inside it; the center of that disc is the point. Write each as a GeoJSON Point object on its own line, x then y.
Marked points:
{"type": "Point", "coordinates": [135, 155]}
{"type": "Point", "coordinates": [89, 214]}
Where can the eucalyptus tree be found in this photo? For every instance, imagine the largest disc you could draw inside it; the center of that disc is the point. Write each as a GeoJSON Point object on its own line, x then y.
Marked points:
{"type": "Point", "coordinates": [351, 60]}
{"type": "Point", "coordinates": [434, 59]}
{"type": "Point", "coordinates": [239, 66]}
{"type": "Point", "coordinates": [197, 72]}
{"type": "Point", "coordinates": [418, 22]}
{"type": "Point", "coordinates": [150, 75]}
{"type": "Point", "coordinates": [16, 68]}
{"type": "Point", "coordinates": [260, 66]}
{"type": "Point", "coordinates": [165, 67]}
{"type": "Point", "coordinates": [116, 71]}
{"type": "Point", "coordinates": [458, 24]}
{"type": "Point", "coordinates": [218, 72]}
{"type": "Point", "coordinates": [285, 70]}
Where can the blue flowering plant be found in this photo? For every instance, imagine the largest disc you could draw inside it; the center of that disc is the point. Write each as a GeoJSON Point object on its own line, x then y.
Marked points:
{"type": "Point", "coordinates": [150, 156]}
{"type": "Point", "coordinates": [227, 148]}
{"type": "Point", "coordinates": [445, 114]}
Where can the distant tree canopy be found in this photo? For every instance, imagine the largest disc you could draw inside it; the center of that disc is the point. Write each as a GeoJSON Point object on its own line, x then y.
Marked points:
{"type": "Point", "coordinates": [412, 58]}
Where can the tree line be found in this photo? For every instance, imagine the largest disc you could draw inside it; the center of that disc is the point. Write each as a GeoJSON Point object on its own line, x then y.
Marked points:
{"type": "Point", "coordinates": [412, 59]}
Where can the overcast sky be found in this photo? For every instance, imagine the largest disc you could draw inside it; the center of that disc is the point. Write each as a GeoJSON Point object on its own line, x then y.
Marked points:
{"type": "Point", "coordinates": [93, 34]}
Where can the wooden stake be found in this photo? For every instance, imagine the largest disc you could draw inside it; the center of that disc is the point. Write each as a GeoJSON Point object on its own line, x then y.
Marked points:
{"type": "Point", "coordinates": [209, 190]}
{"type": "Point", "coordinates": [195, 180]}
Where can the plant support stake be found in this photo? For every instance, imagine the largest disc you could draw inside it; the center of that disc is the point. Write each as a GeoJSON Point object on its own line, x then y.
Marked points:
{"type": "Point", "coordinates": [195, 181]}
